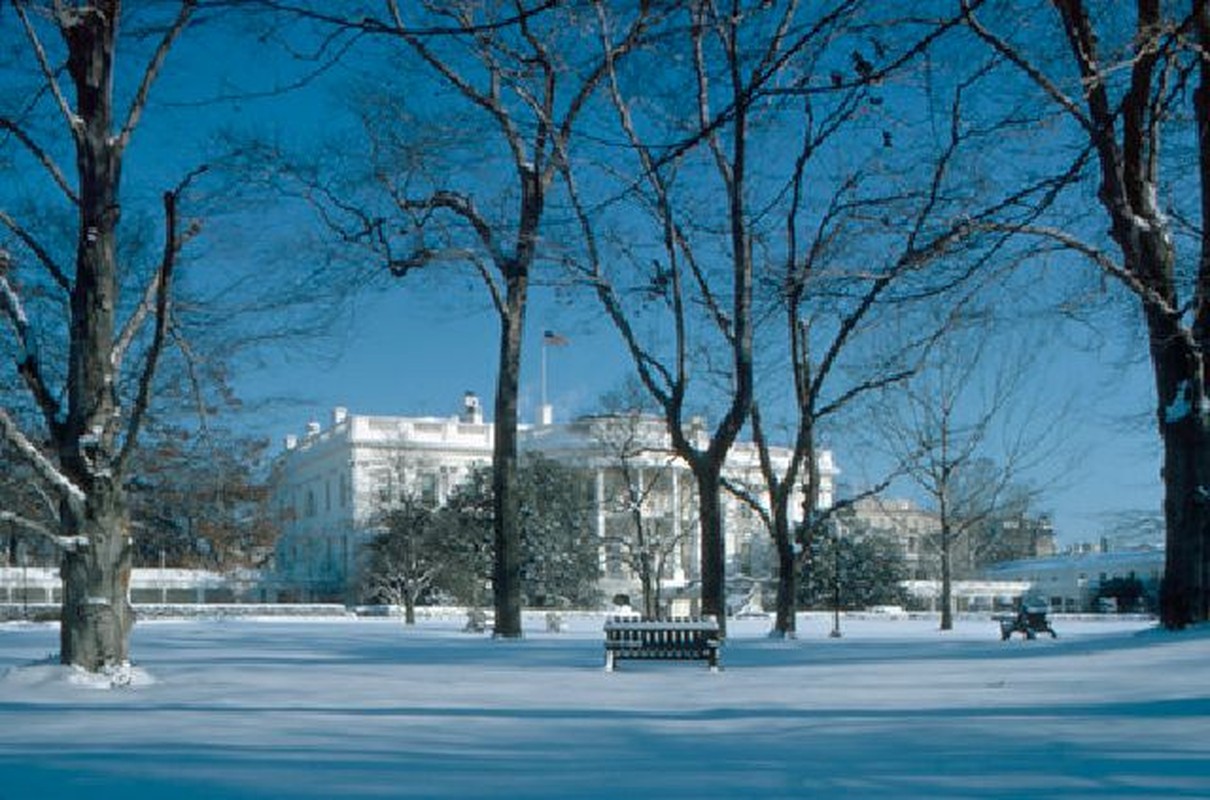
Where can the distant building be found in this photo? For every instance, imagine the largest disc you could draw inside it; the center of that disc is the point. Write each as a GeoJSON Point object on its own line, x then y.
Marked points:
{"type": "Point", "coordinates": [916, 532]}
{"type": "Point", "coordinates": [329, 484]}
{"type": "Point", "coordinates": [1072, 582]}
{"type": "Point", "coordinates": [898, 520]}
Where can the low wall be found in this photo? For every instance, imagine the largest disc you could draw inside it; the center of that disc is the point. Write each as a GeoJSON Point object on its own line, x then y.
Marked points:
{"type": "Point", "coordinates": [236, 610]}
{"type": "Point", "coordinates": [49, 612]}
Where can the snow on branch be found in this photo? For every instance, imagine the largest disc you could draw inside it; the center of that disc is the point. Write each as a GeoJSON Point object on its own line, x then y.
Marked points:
{"type": "Point", "coordinates": [27, 356]}
{"type": "Point", "coordinates": [10, 302]}
{"type": "Point", "coordinates": [10, 433]}
{"type": "Point", "coordinates": [173, 243]}
{"type": "Point", "coordinates": [69, 543]}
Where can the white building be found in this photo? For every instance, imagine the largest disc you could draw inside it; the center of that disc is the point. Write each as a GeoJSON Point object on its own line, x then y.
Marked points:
{"type": "Point", "coordinates": [329, 483]}
{"type": "Point", "coordinates": [899, 520]}
{"type": "Point", "coordinates": [1071, 582]}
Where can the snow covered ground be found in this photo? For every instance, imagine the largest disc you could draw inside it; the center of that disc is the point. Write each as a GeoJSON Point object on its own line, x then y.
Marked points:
{"type": "Point", "coordinates": [367, 708]}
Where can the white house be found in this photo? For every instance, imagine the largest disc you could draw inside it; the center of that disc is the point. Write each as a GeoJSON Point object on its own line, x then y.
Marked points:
{"type": "Point", "coordinates": [329, 483]}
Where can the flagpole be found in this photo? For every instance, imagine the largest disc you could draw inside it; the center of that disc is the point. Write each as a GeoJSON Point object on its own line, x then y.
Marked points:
{"type": "Point", "coordinates": [546, 413]}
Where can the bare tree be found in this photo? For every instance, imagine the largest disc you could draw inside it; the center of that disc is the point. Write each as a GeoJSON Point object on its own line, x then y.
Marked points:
{"type": "Point", "coordinates": [750, 75]}
{"type": "Point", "coordinates": [518, 69]}
{"type": "Point", "coordinates": [831, 313]}
{"type": "Point", "coordinates": [88, 426]}
{"type": "Point", "coordinates": [953, 431]}
{"type": "Point", "coordinates": [1125, 99]}
{"type": "Point", "coordinates": [633, 450]}
{"type": "Point", "coordinates": [701, 274]}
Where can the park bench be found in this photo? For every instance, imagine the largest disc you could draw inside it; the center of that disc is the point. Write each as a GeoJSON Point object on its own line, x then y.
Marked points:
{"type": "Point", "coordinates": [1030, 620]}
{"type": "Point", "coordinates": [677, 638]}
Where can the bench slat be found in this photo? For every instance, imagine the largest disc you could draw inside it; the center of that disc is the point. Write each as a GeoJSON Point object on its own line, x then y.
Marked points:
{"type": "Point", "coordinates": [680, 638]}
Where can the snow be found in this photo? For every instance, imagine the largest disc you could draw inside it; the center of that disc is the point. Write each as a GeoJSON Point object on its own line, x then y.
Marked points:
{"type": "Point", "coordinates": [246, 708]}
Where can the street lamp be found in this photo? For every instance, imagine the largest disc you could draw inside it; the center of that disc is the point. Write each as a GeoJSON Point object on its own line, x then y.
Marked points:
{"type": "Point", "coordinates": [23, 557]}
{"type": "Point", "coordinates": [835, 634]}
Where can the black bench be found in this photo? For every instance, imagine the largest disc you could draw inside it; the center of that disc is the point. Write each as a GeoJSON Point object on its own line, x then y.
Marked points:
{"type": "Point", "coordinates": [678, 638]}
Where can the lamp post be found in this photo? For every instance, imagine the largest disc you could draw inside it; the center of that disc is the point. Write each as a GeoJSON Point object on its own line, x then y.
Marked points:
{"type": "Point", "coordinates": [23, 557]}
{"type": "Point", "coordinates": [835, 634]}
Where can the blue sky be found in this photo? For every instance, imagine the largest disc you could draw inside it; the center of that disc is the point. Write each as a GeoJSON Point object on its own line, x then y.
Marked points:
{"type": "Point", "coordinates": [414, 347]}
{"type": "Point", "coordinates": [412, 354]}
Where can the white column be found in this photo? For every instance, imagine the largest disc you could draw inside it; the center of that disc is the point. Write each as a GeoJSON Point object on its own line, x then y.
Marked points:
{"type": "Point", "coordinates": [677, 521]}
{"type": "Point", "coordinates": [601, 519]}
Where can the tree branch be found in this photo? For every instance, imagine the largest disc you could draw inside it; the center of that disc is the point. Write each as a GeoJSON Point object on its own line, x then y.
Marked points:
{"type": "Point", "coordinates": [74, 122]}
{"type": "Point", "coordinates": [463, 207]}
{"type": "Point", "coordinates": [395, 27]}
{"type": "Point", "coordinates": [38, 529]}
{"type": "Point", "coordinates": [43, 256]}
{"type": "Point", "coordinates": [154, 287]}
{"type": "Point", "coordinates": [28, 363]}
{"type": "Point", "coordinates": [163, 293]}
{"type": "Point", "coordinates": [41, 156]}
{"type": "Point", "coordinates": [11, 434]}
{"type": "Point", "coordinates": [1037, 76]}
{"type": "Point", "coordinates": [151, 73]}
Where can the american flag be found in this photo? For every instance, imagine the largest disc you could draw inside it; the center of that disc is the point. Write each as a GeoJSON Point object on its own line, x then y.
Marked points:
{"type": "Point", "coordinates": [554, 339]}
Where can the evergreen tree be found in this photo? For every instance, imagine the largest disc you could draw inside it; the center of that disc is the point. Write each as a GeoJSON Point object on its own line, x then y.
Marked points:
{"type": "Point", "coordinates": [870, 570]}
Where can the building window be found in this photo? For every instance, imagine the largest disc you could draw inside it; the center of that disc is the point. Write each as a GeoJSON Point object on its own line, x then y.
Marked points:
{"type": "Point", "coordinates": [382, 486]}
{"type": "Point", "coordinates": [327, 495]}
{"type": "Point", "coordinates": [344, 491]}
{"type": "Point", "coordinates": [310, 512]}
{"type": "Point", "coordinates": [428, 489]}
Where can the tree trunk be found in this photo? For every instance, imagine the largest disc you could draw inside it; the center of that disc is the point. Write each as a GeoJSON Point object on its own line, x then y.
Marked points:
{"type": "Point", "coordinates": [506, 577]}
{"type": "Point", "coordinates": [97, 618]}
{"type": "Point", "coordinates": [947, 585]}
{"type": "Point", "coordinates": [713, 544]}
{"type": "Point", "coordinates": [650, 608]}
{"type": "Point", "coordinates": [1183, 421]}
{"type": "Point", "coordinates": [409, 608]}
{"type": "Point", "coordinates": [785, 626]}
{"type": "Point", "coordinates": [646, 568]}
{"type": "Point", "coordinates": [1129, 192]}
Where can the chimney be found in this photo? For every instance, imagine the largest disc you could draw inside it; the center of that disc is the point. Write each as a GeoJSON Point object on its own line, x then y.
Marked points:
{"type": "Point", "coordinates": [339, 415]}
{"type": "Point", "coordinates": [471, 412]}
{"type": "Point", "coordinates": [312, 429]}
{"type": "Point", "coordinates": [291, 441]}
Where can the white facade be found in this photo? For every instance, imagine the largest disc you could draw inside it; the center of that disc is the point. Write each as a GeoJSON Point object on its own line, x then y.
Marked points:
{"type": "Point", "coordinates": [330, 482]}
{"type": "Point", "coordinates": [902, 521]}
{"type": "Point", "coordinates": [1071, 582]}
{"type": "Point", "coordinates": [44, 586]}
